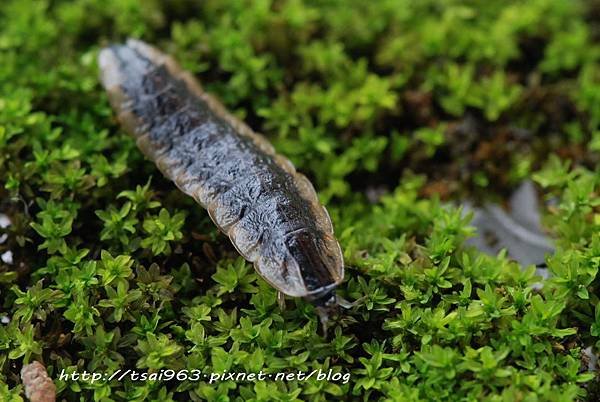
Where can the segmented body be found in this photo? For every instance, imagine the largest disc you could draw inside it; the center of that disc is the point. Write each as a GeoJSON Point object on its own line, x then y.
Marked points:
{"type": "Point", "coordinates": [270, 212]}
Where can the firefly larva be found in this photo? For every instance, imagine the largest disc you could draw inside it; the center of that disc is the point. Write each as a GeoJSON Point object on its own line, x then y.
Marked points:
{"type": "Point", "coordinates": [270, 212]}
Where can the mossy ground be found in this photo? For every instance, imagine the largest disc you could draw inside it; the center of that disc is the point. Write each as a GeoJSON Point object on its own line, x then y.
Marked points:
{"type": "Point", "coordinates": [419, 101]}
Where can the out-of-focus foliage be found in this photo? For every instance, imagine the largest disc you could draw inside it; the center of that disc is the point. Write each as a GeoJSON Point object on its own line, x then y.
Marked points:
{"type": "Point", "coordinates": [113, 268]}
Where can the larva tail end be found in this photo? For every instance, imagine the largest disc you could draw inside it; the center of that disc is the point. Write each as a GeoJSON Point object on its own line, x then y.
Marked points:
{"type": "Point", "coordinates": [110, 76]}
{"type": "Point", "coordinates": [146, 50]}
{"type": "Point", "coordinates": [126, 64]}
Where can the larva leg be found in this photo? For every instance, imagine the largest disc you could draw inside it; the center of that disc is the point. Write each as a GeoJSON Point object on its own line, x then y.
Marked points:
{"type": "Point", "coordinates": [281, 300]}
{"type": "Point", "coordinates": [323, 314]}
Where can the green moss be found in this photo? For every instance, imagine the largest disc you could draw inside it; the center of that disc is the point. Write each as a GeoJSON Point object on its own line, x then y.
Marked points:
{"type": "Point", "coordinates": [113, 268]}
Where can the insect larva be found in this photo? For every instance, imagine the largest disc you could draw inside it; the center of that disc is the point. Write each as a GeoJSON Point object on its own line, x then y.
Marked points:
{"type": "Point", "coordinates": [270, 212]}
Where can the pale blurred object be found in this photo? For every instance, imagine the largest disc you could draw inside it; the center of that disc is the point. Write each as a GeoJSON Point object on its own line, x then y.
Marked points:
{"type": "Point", "coordinates": [4, 223]}
{"type": "Point", "coordinates": [518, 230]}
{"type": "Point", "coordinates": [38, 386]}
{"type": "Point", "coordinates": [6, 257]}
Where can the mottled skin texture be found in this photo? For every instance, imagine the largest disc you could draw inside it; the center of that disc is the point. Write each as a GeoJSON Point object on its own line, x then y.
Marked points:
{"type": "Point", "coordinates": [270, 212]}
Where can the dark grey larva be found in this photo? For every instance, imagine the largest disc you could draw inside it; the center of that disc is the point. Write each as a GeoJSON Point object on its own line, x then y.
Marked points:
{"type": "Point", "coordinates": [270, 212]}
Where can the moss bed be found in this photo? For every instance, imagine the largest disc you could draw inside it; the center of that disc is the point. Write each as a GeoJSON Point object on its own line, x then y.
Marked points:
{"type": "Point", "coordinates": [395, 109]}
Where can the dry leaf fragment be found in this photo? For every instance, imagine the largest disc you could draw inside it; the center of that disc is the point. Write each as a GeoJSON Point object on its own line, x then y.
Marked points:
{"type": "Point", "coordinates": [519, 231]}
{"type": "Point", "coordinates": [38, 386]}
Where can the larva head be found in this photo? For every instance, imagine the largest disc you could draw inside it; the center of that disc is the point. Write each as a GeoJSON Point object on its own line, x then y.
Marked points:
{"type": "Point", "coordinates": [326, 300]}
{"type": "Point", "coordinates": [319, 262]}
{"type": "Point", "coordinates": [329, 303]}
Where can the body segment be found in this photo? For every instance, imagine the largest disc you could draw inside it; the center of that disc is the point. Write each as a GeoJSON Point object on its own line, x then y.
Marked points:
{"type": "Point", "coordinates": [270, 212]}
